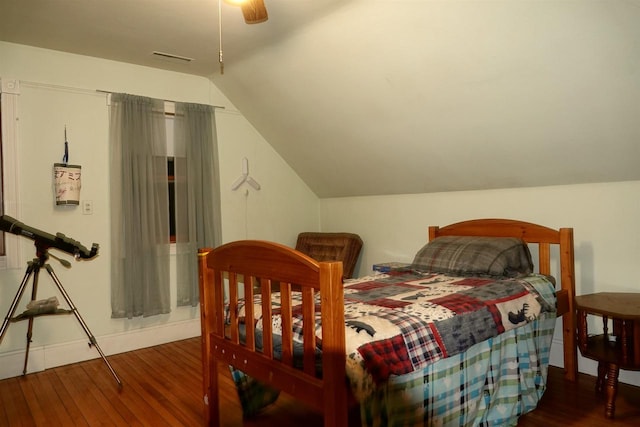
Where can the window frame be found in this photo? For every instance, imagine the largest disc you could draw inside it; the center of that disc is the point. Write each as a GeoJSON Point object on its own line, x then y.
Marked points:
{"type": "Point", "coordinates": [9, 97]}
{"type": "Point", "coordinates": [169, 115]}
{"type": "Point", "coordinates": [171, 182]}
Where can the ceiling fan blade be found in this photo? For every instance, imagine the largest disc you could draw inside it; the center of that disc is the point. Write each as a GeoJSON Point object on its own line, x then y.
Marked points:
{"type": "Point", "coordinates": [254, 11]}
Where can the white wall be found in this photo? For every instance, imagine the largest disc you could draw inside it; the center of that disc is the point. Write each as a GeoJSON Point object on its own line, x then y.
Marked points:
{"type": "Point", "coordinates": [58, 90]}
{"type": "Point", "coordinates": [282, 208]}
{"type": "Point", "coordinates": [604, 218]}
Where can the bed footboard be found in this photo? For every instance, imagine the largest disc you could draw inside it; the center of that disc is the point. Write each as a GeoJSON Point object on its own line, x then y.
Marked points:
{"type": "Point", "coordinates": [234, 273]}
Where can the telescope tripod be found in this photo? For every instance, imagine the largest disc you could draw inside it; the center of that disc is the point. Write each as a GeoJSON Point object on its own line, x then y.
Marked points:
{"type": "Point", "coordinates": [33, 270]}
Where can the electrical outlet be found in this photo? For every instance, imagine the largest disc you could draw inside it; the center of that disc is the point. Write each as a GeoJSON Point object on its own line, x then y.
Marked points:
{"type": "Point", "coordinates": [87, 207]}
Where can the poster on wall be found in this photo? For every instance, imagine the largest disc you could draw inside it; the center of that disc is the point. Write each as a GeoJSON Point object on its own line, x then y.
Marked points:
{"type": "Point", "coordinates": [67, 183]}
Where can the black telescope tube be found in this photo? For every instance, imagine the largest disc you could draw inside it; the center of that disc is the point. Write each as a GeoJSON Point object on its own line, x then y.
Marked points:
{"type": "Point", "coordinates": [59, 241]}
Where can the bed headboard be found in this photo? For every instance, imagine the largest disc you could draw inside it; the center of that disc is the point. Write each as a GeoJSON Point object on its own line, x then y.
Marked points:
{"type": "Point", "coordinates": [543, 237]}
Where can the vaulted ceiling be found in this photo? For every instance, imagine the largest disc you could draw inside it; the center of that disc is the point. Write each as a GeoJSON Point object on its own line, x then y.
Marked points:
{"type": "Point", "coordinates": [367, 97]}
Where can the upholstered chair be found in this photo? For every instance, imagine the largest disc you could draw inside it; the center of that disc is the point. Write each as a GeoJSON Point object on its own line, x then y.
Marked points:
{"type": "Point", "coordinates": [343, 247]}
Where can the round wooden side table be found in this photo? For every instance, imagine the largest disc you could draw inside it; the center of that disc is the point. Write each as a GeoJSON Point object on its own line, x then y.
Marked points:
{"type": "Point", "coordinates": [614, 349]}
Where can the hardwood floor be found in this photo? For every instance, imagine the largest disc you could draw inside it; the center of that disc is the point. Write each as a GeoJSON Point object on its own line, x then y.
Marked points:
{"type": "Point", "coordinates": [161, 387]}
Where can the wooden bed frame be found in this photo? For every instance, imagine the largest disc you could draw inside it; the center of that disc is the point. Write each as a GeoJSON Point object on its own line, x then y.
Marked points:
{"type": "Point", "coordinates": [257, 265]}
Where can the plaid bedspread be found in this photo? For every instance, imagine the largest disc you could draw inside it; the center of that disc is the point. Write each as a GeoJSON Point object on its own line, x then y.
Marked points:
{"type": "Point", "coordinates": [491, 384]}
{"type": "Point", "coordinates": [398, 323]}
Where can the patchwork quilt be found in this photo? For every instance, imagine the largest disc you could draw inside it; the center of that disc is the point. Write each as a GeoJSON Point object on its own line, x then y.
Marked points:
{"type": "Point", "coordinates": [400, 322]}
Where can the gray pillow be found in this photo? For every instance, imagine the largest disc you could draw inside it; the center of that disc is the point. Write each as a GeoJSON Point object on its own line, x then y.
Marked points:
{"type": "Point", "coordinates": [475, 256]}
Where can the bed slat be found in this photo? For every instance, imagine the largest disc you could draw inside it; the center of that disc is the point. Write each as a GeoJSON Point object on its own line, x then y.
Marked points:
{"type": "Point", "coordinates": [287, 327]}
{"type": "Point", "coordinates": [544, 258]}
{"type": "Point", "coordinates": [249, 324]}
{"type": "Point", "coordinates": [267, 313]}
{"type": "Point", "coordinates": [233, 308]}
{"type": "Point", "coordinates": [308, 331]}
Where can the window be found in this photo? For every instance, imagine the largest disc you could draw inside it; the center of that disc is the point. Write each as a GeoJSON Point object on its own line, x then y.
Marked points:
{"type": "Point", "coordinates": [143, 251]}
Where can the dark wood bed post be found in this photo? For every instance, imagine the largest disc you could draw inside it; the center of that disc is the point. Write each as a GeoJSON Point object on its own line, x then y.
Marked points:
{"type": "Point", "coordinates": [210, 371]}
{"type": "Point", "coordinates": [569, 330]}
{"type": "Point", "coordinates": [336, 394]}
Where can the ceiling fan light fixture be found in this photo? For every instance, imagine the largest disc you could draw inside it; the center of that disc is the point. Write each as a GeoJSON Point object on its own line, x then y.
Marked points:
{"type": "Point", "coordinates": [254, 11]}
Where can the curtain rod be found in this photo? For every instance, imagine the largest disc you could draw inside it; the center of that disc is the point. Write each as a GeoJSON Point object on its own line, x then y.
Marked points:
{"type": "Point", "coordinates": [87, 91]}
{"type": "Point", "coordinates": [165, 100]}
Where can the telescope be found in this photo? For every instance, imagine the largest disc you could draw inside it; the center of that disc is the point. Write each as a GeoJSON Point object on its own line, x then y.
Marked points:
{"type": "Point", "coordinates": [35, 308]}
{"type": "Point", "coordinates": [46, 240]}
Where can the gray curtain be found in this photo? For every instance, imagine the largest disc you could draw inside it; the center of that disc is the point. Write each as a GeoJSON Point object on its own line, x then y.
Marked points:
{"type": "Point", "coordinates": [139, 207]}
{"type": "Point", "coordinates": [197, 186]}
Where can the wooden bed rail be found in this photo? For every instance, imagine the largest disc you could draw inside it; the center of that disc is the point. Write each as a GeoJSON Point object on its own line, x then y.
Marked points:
{"type": "Point", "coordinates": [236, 271]}
{"type": "Point", "coordinates": [544, 237]}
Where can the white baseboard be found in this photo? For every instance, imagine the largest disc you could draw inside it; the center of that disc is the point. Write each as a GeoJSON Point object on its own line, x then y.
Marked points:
{"type": "Point", "coordinates": [45, 357]}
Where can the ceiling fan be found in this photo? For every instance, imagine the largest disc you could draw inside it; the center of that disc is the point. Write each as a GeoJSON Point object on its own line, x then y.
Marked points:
{"type": "Point", "coordinates": [254, 11]}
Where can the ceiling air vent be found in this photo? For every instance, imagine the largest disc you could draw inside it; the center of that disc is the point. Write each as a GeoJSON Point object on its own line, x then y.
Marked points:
{"type": "Point", "coordinates": [171, 57]}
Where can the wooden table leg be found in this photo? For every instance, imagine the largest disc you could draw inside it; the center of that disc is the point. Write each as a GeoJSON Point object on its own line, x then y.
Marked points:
{"type": "Point", "coordinates": [612, 390]}
{"type": "Point", "coordinates": [603, 367]}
